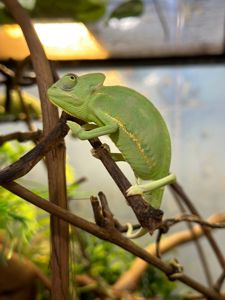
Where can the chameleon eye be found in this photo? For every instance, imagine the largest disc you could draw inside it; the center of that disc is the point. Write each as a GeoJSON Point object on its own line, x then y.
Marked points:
{"type": "Point", "coordinates": [68, 82]}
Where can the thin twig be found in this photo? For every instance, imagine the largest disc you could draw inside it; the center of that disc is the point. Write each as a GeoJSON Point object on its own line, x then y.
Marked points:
{"type": "Point", "coordinates": [193, 219]}
{"type": "Point", "coordinates": [21, 136]}
{"type": "Point", "coordinates": [219, 283]}
{"type": "Point", "coordinates": [200, 250]}
{"type": "Point", "coordinates": [27, 119]}
{"type": "Point", "coordinates": [162, 230]}
{"type": "Point", "coordinates": [178, 189]}
{"type": "Point", "coordinates": [18, 76]}
{"type": "Point", "coordinates": [130, 278]}
{"type": "Point", "coordinates": [32, 157]}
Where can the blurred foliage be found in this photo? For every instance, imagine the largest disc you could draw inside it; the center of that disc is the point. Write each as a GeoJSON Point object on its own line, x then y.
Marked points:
{"type": "Point", "coordinates": [17, 223]}
{"type": "Point", "coordinates": [79, 10]}
{"type": "Point", "coordinates": [15, 109]}
{"type": "Point", "coordinates": [11, 151]}
{"type": "Point", "coordinates": [24, 228]}
{"type": "Point", "coordinates": [102, 259]}
{"type": "Point", "coordinates": [130, 8]}
{"type": "Point", "coordinates": [106, 262]}
{"type": "Point", "coordinates": [17, 217]}
{"type": "Point", "coordinates": [155, 283]}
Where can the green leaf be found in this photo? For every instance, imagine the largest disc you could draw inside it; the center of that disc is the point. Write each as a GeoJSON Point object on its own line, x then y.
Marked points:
{"type": "Point", "coordinates": [79, 10]}
{"type": "Point", "coordinates": [130, 8]}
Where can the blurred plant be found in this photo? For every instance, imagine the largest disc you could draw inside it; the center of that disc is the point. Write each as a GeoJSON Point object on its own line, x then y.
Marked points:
{"type": "Point", "coordinates": [17, 218]}
{"type": "Point", "coordinates": [104, 259]}
{"type": "Point", "coordinates": [16, 109]}
{"type": "Point", "coordinates": [17, 223]}
{"type": "Point", "coordinates": [11, 151]}
{"type": "Point", "coordinates": [105, 262]}
{"type": "Point", "coordinates": [154, 283]}
{"type": "Point", "coordinates": [84, 11]}
{"type": "Point", "coordinates": [129, 8]}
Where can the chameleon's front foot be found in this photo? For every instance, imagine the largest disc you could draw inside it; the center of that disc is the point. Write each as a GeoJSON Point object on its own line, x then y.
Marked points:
{"type": "Point", "coordinates": [95, 153]}
{"type": "Point", "coordinates": [75, 128]}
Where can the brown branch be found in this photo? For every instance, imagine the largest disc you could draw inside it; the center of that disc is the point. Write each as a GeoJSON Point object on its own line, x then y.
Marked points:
{"type": "Point", "coordinates": [55, 158]}
{"type": "Point", "coordinates": [6, 71]}
{"type": "Point", "coordinates": [31, 158]}
{"type": "Point", "coordinates": [219, 282]}
{"type": "Point", "coordinates": [149, 217]}
{"type": "Point", "coordinates": [193, 219]}
{"type": "Point", "coordinates": [21, 136]}
{"type": "Point", "coordinates": [129, 280]}
{"type": "Point", "coordinates": [109, 234]}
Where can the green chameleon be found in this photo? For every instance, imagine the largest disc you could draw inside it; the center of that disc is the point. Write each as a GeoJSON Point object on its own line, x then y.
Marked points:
{"type": "Point", "coordinates": [131, 121]}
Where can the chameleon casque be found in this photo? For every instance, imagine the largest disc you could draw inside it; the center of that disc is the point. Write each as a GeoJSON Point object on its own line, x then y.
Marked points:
{"type": "Point", "coordinates": [131, 121]}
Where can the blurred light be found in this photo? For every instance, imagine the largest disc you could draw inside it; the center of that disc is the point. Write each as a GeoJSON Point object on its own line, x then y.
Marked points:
{"type": "Point", "coordinates": [61, 41]}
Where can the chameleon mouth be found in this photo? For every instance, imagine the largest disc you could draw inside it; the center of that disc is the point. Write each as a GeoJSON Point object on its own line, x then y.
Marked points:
{"type": "Point", "coordinates": [56, 96]}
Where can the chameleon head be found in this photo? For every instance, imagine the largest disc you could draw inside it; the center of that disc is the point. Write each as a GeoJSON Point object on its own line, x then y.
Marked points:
{"type": "Point", "coordinates": [72, 91]}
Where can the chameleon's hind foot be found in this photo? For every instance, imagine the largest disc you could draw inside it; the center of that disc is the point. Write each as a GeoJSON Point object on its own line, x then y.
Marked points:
{"type": "Point", "coordinates": [139, 189]}
{"type": "Point", "coordinates": [135, 189]}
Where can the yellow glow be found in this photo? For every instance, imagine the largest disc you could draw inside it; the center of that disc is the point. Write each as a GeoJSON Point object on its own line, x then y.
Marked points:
{"type": "Point", "coordinates": [61, 41]}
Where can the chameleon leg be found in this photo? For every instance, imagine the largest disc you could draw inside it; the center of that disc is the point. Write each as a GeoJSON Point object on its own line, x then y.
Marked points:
{"type": "Point", "coordinates": [139, 189]}
{"type": "Point", "coordinates": [82, 134]}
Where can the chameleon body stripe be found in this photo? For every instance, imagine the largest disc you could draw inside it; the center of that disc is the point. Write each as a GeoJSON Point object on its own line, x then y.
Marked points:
{"type": "Point", "coordinates": [149, 160]}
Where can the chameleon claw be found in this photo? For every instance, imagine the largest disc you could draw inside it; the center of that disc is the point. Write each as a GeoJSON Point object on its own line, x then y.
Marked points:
{"type": "Point", "coordinates": [106, 147]}
{"type": "Point", "coordinates": [75, 128]}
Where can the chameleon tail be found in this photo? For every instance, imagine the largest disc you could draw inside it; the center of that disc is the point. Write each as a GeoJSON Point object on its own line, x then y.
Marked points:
{"type": "Point", "coordinates": [130, 235]}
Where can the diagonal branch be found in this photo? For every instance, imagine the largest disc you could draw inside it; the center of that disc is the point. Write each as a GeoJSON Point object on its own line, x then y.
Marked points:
{"type": "Point", "coordinates": [112, 235]}
{"type": "Point", "coordinates": [31, 158]}
{"type": "Point", "coordinates": [149, 217]}
{"type": "Point", "coordinates": [129, 279]}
